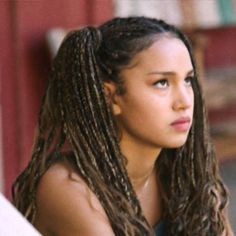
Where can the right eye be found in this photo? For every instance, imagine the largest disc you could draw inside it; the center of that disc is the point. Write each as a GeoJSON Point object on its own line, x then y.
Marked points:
{"type": "Point", "coordinates": [163, 83]}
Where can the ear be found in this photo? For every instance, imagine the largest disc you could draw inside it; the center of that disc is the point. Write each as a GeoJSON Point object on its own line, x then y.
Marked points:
{"type": "Point", "coordinates": [112, 97]}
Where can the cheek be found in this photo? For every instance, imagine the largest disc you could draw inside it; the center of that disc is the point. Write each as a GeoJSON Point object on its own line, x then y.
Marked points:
{"type": "Point", "coordinates": [142, 110]}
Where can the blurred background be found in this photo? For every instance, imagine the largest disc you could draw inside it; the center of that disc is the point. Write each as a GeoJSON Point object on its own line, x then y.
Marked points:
{"type": "Point", "coordinates": [31, 31]}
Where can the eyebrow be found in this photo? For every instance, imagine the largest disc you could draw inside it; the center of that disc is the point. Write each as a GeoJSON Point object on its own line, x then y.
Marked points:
{"type": "Point", "coordinates": [168, 73]}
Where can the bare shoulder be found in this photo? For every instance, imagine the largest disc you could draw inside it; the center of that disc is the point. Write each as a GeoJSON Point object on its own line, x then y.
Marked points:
{"type": "Point", "coordinates": [66, 206]}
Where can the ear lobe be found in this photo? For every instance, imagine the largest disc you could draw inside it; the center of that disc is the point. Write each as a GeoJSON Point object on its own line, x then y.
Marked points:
{"type": "Point", "coordinates": [116, 109]}
{"type": "Point", "coordinates": [111, 96]}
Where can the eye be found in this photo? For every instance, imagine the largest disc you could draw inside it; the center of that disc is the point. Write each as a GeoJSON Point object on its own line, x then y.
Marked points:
{"type": "Point", "coordinates": [161, 83]}
{"type": "Point", "coordinates": [188, 80]}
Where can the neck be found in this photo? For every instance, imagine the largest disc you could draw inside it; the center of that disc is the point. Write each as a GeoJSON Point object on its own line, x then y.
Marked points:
{"type": "Point", "coordinates": [140, 183]}
{"type": "Point", "coordinates": [141, 162]}
{"type": "Point", "coordinates": [141, 169]}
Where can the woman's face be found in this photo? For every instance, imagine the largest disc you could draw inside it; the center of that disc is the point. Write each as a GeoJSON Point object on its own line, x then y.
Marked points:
{"type": "Point", "coordinates": [157, 106]}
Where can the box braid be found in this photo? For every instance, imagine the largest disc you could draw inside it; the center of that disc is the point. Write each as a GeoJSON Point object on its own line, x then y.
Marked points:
{"type": "Point", "coordinates": [75, 115]}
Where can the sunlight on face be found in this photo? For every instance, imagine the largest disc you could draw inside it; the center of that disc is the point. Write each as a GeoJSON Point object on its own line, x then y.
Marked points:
{"type": "Point", "coordinates": [157, 108]}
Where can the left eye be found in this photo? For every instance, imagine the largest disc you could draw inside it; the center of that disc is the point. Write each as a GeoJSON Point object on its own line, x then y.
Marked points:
{"type": "Point", "coordinates": [161, 83]}
{"type": "Point", "coordinates": [188, 80]}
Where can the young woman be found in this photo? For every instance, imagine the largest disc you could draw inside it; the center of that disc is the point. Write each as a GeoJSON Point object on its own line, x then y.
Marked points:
{"type": "Point", "coordinates": [123, 145]}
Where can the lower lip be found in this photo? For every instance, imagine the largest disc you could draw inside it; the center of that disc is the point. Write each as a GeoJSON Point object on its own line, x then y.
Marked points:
{"type": "Point", "coordinates": [182, 126]}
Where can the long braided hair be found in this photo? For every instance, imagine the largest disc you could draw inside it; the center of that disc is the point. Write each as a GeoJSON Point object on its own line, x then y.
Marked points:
{"type": "Point", "coordinates": [75, 115]}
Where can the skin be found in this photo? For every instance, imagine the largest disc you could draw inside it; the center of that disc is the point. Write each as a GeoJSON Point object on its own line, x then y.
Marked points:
{"type": "Point", "coordinates": [153, 100]}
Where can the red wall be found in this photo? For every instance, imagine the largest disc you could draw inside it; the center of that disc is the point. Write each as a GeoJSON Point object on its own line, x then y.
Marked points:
{"type": "Point", "coordinates": [220, 48]}
{"type": "Point", "coordinates": [24, 66]}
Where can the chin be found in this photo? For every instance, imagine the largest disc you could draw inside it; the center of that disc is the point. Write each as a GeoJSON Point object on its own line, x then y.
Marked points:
{"type": "Point", "coordinates": [176, 143]}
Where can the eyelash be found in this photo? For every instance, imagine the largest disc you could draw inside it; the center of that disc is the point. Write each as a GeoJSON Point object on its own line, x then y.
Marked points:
{"type": "Point", "coordinates": [188, 80]}
{"type": "Point", "coordinates": [160, 82]}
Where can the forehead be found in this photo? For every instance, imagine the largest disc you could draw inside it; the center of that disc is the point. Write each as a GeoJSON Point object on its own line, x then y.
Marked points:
{"type": "Point", "coordinates": [166, 53]}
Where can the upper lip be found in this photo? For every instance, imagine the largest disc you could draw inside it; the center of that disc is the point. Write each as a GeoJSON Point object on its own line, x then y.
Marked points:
{"type": "Point", "coordinates": [181, 120]}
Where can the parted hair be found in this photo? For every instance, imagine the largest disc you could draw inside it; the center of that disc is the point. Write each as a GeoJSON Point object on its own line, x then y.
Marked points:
{"type": "Point", "coordinates": [76, 121]}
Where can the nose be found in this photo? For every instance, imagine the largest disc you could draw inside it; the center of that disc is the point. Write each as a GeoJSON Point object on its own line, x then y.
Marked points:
{"type": "Point", "coordinates": [183, 98]}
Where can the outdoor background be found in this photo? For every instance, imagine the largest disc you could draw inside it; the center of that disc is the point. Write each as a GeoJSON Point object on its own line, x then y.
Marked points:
{"type": "Point", "coordinates": [26, 52]}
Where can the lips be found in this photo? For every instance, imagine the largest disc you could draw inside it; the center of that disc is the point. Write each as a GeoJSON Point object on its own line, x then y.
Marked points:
{"type": "Point", "coordinates": [182, 124]}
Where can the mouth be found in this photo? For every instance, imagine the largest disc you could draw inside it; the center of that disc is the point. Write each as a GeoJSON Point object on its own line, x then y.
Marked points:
{"type": "Point", "coordinates": [183, 124]}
